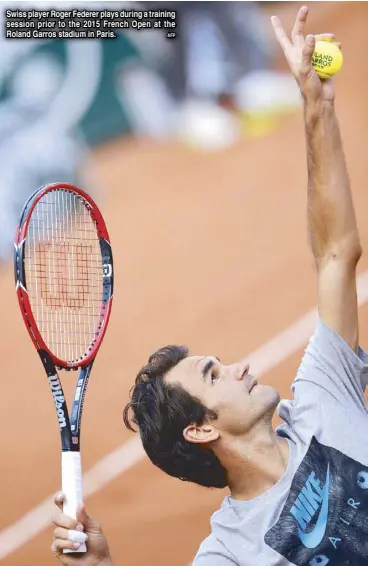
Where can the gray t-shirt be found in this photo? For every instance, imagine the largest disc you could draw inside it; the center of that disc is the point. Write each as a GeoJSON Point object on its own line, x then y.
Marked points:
{"type": "Point", "coordinates": [317, 514]}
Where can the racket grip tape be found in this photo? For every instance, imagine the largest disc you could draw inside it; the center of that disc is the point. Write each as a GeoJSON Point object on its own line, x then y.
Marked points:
{"type": "Point", "coordinates": [71, 475]}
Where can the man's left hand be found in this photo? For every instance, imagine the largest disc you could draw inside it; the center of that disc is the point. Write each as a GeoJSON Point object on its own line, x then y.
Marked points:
{"type": "Point", "coordinates": [298, 51]}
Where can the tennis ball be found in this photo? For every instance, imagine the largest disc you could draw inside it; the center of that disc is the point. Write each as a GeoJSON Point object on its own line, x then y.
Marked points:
{"type": "Point", "coordinates": [327, 59]}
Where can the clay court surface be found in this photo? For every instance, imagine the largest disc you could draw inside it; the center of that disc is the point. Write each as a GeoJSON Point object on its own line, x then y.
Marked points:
{"type": "Point", "coordinates": [209, 251]}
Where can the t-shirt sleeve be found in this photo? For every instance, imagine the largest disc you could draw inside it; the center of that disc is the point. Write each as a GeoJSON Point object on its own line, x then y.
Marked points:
{"type": "Point", "coordinates": [331, 377]}
{"type": "Point", "coordinates": [330, 364]}
{"type": "Point", "coordinates": [213, 553]}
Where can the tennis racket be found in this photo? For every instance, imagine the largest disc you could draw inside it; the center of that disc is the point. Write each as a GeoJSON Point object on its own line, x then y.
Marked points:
{"type": "Point", "coordinates": [64, 283]}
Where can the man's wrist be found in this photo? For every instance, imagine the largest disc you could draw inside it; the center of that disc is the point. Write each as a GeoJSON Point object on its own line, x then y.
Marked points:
{"type": "Point", "coordinates": [314, 110]}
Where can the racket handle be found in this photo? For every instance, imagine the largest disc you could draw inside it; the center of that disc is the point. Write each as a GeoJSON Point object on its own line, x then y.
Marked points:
{"type": "Point", "coordinates": [71, 474]}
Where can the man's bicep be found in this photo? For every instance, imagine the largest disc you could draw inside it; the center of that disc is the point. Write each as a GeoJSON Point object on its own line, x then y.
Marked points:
{"type": "Point", "coordinates": [337, 300]}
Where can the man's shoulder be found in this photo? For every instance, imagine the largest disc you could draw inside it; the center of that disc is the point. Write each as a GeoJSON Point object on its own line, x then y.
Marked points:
{"type": "Point", "coordinates": [209, 544]}
{"type": "Point", "coordinates": [212, 543]}
{"type": "Point", "coordinates": [207, 549]}
{"type": "Point", "coordinates": [211, 552]}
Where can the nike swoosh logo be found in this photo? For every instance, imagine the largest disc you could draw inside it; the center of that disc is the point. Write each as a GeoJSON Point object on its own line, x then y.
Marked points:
{"type": "Point", "coordinates": [314, 537]}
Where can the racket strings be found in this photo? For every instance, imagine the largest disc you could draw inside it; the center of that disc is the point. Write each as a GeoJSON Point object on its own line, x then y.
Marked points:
{"type": "Point", "coordinates": [64, 273]}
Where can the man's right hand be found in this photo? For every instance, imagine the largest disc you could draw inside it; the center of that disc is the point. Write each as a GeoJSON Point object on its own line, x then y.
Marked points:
{"type": "Point", "coordinates": [97, 548]}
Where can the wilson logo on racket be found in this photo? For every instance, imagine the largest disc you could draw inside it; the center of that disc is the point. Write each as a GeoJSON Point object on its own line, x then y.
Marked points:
{"type": "Point", "coordinates": [59, 400]}
{"type": "Point", "coordinates": [64, 273]}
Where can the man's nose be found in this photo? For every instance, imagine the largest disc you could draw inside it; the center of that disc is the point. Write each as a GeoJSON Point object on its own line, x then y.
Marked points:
{"type": "Point", "coordinates": [241, 370]}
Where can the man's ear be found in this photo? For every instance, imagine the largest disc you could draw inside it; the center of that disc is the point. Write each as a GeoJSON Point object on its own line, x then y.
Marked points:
{"type": "Point", "coordinates": [201, 434]}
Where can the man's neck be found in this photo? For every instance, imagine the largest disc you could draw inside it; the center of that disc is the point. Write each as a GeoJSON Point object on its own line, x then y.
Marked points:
{"type": "Point", "coordinates": [254, 465]}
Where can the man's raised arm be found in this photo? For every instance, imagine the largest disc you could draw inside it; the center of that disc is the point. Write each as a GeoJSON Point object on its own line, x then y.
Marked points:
{"type": "Point", "coordinates": [332, 225]}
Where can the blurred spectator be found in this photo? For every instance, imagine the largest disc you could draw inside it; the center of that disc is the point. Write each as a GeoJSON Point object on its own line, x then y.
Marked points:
{"type": "Point", "coordinates": [217, 43]}
{"type": "Point", "coordinates": [220, 61]}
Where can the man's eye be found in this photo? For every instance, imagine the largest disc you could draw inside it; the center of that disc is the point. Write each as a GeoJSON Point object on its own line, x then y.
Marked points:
{"type": "Point", "coordinates": [214, 378]}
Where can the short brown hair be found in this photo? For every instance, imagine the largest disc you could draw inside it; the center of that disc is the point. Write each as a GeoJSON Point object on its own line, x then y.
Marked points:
{"type": "Point", "coordinates": [162, 411]}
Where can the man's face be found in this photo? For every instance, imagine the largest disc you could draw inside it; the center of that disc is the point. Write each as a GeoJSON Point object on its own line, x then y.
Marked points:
{"type": "Point", "coordinates": [230, 390]}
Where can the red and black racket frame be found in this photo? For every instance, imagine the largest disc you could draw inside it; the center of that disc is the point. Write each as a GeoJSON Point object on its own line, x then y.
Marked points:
{"type": "Point", "coordinates": [69, 426]}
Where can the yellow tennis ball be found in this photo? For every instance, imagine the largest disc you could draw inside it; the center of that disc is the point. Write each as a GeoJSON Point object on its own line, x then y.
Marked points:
{"type": "Point", "coordinates": [327, 59]}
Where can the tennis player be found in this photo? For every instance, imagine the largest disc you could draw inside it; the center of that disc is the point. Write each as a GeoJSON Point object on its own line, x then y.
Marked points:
{"type": "Point", "coordinates": [298, 494]}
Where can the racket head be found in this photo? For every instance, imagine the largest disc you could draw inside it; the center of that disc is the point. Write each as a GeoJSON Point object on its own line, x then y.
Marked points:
{"type": "Point", "coordinates": [64, 276]}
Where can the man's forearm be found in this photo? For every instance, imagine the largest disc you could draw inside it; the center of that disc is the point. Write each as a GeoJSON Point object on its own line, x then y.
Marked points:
{"type": "Point", "coordinates": [331, 218]}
